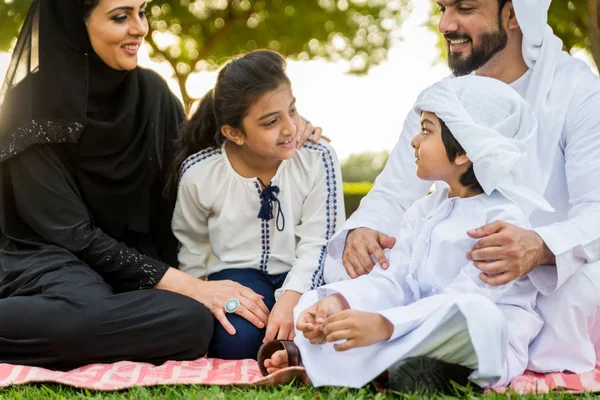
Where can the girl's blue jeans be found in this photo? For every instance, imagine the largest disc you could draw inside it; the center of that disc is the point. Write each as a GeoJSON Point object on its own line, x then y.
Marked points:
{"type": "Point", "coordinates": [248, 338]}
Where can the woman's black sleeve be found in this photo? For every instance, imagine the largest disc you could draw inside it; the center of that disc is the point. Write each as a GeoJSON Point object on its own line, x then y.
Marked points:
{"type": "Point", "coordinates": [49, 202]}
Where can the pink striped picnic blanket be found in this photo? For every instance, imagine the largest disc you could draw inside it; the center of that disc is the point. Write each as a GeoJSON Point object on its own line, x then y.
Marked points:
{"type": "Point", "coordinates": [207, 371]}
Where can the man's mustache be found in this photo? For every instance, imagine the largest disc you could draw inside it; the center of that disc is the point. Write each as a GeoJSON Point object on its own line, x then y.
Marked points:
{"type": "Point", "coordinates": [456, 36]}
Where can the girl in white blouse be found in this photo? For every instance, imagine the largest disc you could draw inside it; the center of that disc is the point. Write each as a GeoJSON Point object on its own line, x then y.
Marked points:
{"type": "Point", "coordinates": [254, 205]}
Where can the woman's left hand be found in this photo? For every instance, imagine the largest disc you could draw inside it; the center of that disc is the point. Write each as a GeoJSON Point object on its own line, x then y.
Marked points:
{"type": "Point", "coordinates": [281, 319]}
{"type": "Point", "coordinates": [306, 130]}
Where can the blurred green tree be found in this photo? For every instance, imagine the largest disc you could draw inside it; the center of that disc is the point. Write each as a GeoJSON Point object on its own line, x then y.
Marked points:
{"type": "Point", "coordinates": [197, 35]}
{"type": "Point", "coordinates": [576, 22]}
{"type": "Point", "coordinates": [364, 167]}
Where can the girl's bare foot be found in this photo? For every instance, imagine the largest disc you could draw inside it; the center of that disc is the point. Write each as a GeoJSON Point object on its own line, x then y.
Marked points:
{"type": "Point", "coordinates": [278, 361]}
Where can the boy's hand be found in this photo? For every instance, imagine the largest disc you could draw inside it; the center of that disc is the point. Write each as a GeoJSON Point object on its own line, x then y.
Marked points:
{"type": "Point", "coordinates": [358, 328]}
{"type": "Point", "coordinates": [311, 320]}
{"type": "Point", "coordinates": [281, 320]}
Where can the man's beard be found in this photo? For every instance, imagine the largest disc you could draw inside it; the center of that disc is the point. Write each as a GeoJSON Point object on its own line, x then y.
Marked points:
{"type": "Point", "coordinates": [490, 44]}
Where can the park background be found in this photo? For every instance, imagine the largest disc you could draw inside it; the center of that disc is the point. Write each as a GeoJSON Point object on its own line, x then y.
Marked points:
{"type": "Point", "coordinates": [356, 66]}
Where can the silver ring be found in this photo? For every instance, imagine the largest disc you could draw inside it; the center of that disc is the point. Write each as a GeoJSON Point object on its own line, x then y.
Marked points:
{"type": "Point", "coordinates": [232, 305]}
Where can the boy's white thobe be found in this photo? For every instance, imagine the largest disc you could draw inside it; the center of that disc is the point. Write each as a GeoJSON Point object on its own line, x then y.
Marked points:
{"type": "Point", "coordinates": [435, 299]}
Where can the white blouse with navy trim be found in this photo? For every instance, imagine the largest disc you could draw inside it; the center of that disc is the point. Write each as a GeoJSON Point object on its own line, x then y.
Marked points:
{"type": "Point", "coordinates": [216, 216]}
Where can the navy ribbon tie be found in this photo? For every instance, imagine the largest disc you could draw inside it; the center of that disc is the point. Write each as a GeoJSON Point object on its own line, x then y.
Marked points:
{"type": "Point", "coordinates": [267, 197]}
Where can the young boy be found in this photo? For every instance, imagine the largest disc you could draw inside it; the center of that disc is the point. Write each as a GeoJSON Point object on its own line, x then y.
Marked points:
{"type": "Point", "coordinates": [429, 316]}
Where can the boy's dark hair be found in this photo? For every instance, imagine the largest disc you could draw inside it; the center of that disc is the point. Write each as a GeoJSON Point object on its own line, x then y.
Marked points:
{"type": "Point", "coordinates": [453, 150]}
{"type": "Point", "coordinates": [240, 83]}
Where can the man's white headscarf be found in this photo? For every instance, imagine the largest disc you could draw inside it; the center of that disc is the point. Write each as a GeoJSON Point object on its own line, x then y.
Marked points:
{"type": "Point", "coordinates": [496, 128]}
{"type": "Point", "coordinates": [551, 86]}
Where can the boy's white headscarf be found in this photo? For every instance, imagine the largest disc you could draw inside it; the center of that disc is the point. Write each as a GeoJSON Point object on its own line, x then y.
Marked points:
{"type": "Point", "coordinates": [496, 128]}
{"type": "Point", "coordinates": [554, 77]}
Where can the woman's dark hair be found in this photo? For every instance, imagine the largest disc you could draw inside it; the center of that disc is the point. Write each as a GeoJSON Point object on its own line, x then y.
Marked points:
{"type": "Point", "coordinates": [240, 83]}
{"type": "Point", "coordinates": [88, 6]}
{"type": "Point", "coordinates": [453, 150]}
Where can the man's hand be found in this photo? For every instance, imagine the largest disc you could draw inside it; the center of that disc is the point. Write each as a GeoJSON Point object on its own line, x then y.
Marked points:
{"type": "Point", "coordinates": [310, 322]}
{"type": "Point", "coordinates": [281, 319]}
{"type": "Point", "coordinates": [357, 328]}
{"type": "Point", "coordinates": [361, 244]}
{"type": "Point", "coordinates": [507, 252]}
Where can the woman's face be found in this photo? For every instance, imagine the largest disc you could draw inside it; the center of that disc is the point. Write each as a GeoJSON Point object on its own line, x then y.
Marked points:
{"type": "Point", "coordinates": [117, 29]}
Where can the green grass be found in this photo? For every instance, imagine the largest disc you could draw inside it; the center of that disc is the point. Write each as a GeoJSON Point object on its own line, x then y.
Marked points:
{"type": "Point", "coordinates": [189, 392]}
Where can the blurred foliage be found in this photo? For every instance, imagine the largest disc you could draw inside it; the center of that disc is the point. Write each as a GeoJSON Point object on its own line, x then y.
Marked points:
{"type": "Point", "coordinates": [363, 167]}
{"type": "Point", "coordinates": [576, 22]}
{"type": "Point", "coordinates": [353, 194]}
{"type": "Point", "coordinates": [12, 15]}
{"type": "Point", "coordinates": [197, 35]}
{"type": "Point", "coordinates": [360, 188]}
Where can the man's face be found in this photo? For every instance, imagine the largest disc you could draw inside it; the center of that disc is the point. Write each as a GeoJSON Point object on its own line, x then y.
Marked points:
{"type": "Point", "coordinates": [473, 31]}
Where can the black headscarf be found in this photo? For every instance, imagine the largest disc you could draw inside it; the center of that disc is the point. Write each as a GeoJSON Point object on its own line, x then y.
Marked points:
{"type": "Point", "coordinates": [115, 125]}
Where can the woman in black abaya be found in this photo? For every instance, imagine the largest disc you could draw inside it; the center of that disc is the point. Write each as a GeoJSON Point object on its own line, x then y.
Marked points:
{"type": "Point", "coordinates": [86, 246]}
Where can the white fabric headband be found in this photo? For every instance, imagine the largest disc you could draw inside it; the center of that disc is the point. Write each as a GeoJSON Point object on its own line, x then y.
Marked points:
{"type": "Point", "coordinates": [496, 128]}
{"type": "Point", "coordinates": [532, 16]}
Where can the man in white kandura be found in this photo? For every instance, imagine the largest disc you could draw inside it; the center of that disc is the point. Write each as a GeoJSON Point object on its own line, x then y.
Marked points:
{"type": "Point", "coordinates": [565, 97]}
{"type": "Point", "coordinates": [561, 254]}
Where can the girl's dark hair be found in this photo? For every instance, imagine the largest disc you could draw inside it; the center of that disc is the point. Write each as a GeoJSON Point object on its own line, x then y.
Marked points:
{"type": "Point", "coordinates": [88, 6]}
{"type": "Point", "coordinates": [453, 150]}
{"type": "Point", "coordinates": [240, 83]}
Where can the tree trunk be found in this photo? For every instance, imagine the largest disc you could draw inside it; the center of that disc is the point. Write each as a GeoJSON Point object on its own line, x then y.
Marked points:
{"type": "Point", "coordinates": [187, 100]}
{"type": "Point", "coordinates": [594, 30]}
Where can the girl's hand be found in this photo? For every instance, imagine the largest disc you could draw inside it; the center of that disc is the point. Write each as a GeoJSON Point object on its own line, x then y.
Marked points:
{"type": "Point", "coordinates": [214, 295]}
{"type": "Point", "coordinates": [310, 322]}
{"type": "Point", "coordinates": [281, 320]}
{"type": "Point", "coordinates": [358, 328]}
{"type": "Point", "coordinates": [305, 128]}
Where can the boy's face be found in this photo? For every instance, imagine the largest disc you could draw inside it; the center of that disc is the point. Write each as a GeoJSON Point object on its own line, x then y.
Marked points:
{"type": "Point", "coordinates": [431, 157]}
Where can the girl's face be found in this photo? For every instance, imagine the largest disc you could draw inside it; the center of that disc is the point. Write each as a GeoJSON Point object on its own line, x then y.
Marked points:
{"type": "Point", "coordinates": [271, 126]}
{"type": "Point", "coordinates": [117, 29]}
{"type": "Point", "coordinates": [432, 160]}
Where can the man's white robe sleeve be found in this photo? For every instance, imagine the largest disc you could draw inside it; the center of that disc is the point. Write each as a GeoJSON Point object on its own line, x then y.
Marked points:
{"type": "Point", "coordinates": [395, 190]}
{"type": "Point", "coordinates": [576, 241]}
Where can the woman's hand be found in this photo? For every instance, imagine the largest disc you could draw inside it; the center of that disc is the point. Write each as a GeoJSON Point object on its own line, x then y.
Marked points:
{"type": "Point", "coordinates": [214, 295]}
{"type": "Point", "coordinates": [306, 129]}
{"type": "Point", "coordinates": [281, 320]}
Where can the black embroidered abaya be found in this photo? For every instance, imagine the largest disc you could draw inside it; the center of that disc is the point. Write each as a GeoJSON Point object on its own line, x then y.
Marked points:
{"type": "Point", "coordinates": [85, 227]}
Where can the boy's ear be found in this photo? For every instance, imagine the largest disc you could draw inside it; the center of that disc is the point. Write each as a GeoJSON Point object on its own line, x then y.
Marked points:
{"type": "Point", "coordinates": [461, 160]}
{"type": "Point", "coordinates": [233, 134]}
